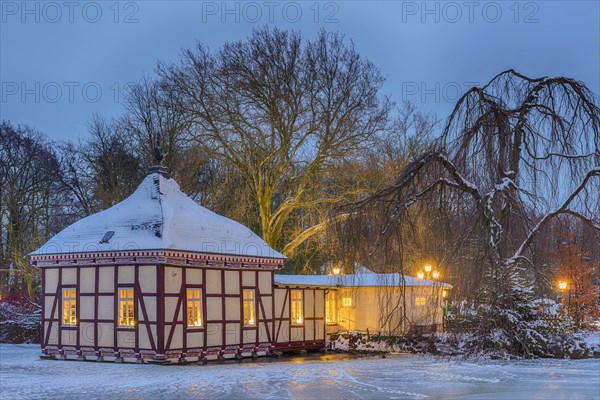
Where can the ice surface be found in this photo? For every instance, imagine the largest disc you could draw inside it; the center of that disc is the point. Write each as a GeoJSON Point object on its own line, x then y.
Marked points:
{"type": "Point", "coordinates": [157, 216]}
{"type": "Point", "coordinates": [24, 376]}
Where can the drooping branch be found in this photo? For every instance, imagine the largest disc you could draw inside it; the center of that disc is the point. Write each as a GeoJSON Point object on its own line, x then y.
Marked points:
{"type": "Point", "coordinates": [563, 209]}
{"type": "Point", "coordinates": [512, 147]}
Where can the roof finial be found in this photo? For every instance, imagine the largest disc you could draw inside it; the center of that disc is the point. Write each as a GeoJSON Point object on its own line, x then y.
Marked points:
{"type": "Point", "coordinates": [158, 150]}
{"type": "Point", "coordinates": [159, 157]}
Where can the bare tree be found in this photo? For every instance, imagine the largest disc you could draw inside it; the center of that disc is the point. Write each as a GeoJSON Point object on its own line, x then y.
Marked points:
{"type": "Point", "coordinates": [281, 110]}
{"type": "Point", "coordinates": [102, 170]}
{"type": "Point", "coordinates": [28, 184]}
{"type": "Point", "coordinates": [151, 112]}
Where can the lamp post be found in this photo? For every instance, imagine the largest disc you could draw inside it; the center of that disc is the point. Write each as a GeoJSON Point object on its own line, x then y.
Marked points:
{"type": "Point", "coordinates": [429, 273]}
{"type": "Point", "coordinates": [445, 297]}
{"type": "Point", "coordinates": [562, 286]}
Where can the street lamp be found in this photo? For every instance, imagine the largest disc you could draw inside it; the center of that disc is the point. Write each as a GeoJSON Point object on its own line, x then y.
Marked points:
{"type": "Point", "coordinates": [563, 285]}
{"type": "Point", "coordinates": [336, 270]}
{"type": "Point", "coordinates": [428, 272]}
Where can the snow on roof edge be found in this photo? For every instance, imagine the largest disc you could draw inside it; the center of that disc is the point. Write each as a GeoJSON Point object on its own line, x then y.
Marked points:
{"type": "Point", "coordinates": [158, 216]}
{"type": "Point", "coordinates": [356, 280]}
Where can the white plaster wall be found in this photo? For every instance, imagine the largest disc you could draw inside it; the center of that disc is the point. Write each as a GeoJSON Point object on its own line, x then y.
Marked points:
{"type": "Point", "coordinates": [86, 335]}
{"type": "Point", "coordinates": [213, 334]}
{"type": "Point", "coordinates": [106, 308]}
{"type": "Point", "coordinates": [125, 338]}
{"type": "Point", "coordinates": [248, 278]}
{"type": "Point", "coordinates": [107, 279]}
{"type": "Point", "coordinates": [69, 276]}
{"type": "Point", "coordinates": [50, 280]}
{"type": "Point", "coordinates": [126, 274]}
{"type": "Point", "coordinates": [147, 274]}
{"type": "Point", "coordinates": [232, 308]}
{"type": "Point", "coordinates": [232, 282]}
{"type": "Point", "coordinates": [69, 337]}
{"type": "Point", "coordinates": [232, 334]}
{"type": "Point", "coordinates": [172, 279]}
{"type": "Point", "coordinates": [106, 334]}
{"type": "Point", "coordinates": [213, 281]}
{"type": "Point", "coordinates": [86, 307]}
{"type": "Point", "coordinates": [213, 308]}
{"type": "Point", "coordinates": [194, 276]}
{"type": "Point", "coordinates": [170, 306]}
{"type": "Point", "coordinates": [195, 339]}
{"type": "Point", "coordinates": [87, 280]}
{"type": "Point", "coordinates": [265, 283]}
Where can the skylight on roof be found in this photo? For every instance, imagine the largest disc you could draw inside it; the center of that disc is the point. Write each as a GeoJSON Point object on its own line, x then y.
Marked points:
{"type": "Point", "coordinates": [107, 236]}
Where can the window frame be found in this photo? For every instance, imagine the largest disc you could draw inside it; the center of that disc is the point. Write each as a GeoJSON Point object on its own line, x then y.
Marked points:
{"type": "Point", "coordinates": [197, 307]}
{"type": "Point", "coordinates": [420, 301]}
{"type": "Point", "coordinates": [347, 302]}
{"type": "Point", "coordinates": [300, 308]}
{"type": "Point", "coordinates": [331, 305]}
{"type": "Point", "coordinates": [126, 300]}
{"type": "Point", "coordinates": [253, 308]}
{"type": "Point", "coordinates": [72, 301]}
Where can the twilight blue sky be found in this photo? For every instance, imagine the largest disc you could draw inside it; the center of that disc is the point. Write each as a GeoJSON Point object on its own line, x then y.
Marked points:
{"type": "Point", "coordinates": [61, 61]}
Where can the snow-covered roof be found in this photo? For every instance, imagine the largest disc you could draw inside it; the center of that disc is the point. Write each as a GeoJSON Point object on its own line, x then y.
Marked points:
{"type": "Point", "coordinates": [158, 216]}
{"type": "Point", "coordinates": [356, 280]}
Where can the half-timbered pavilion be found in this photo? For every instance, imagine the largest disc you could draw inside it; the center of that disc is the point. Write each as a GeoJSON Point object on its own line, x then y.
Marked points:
{"type": "Point", "coordinates": [159, 278]}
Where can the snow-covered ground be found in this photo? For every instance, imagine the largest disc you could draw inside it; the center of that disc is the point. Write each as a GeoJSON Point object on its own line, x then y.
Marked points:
{"type": "Point", "coordinates": [24, 376]}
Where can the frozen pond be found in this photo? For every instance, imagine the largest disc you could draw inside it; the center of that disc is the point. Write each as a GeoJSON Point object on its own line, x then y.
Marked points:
{"type": "Point", "coordinates": [24, 376]}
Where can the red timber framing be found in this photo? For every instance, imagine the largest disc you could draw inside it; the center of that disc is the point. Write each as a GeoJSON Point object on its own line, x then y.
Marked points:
{"type": "Point", "coordinates": [165, 329]}
{"type": "Point", "coordinates": [310, 334]}
{"type": "Point", "coordinates": [222, 297]}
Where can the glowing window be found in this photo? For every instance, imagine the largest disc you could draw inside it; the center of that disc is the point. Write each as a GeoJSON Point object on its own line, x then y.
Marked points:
{"type": "Point", "coordinates": [420, 301]}
{"type": "Point", "coordinates": [296, 303]}
{"type": "Point", "coordinates": [249, 307]}
{"type": "Point", "coordinates": [69, 307]}
{"type": "Point", "coordinates": [126, 310]}
{"type": "Point", "coordinates": [347, 302]}
{"type": "Point", "coordinates": [194, 307]}
{"type": "Point", "coordinates": [330, 307]}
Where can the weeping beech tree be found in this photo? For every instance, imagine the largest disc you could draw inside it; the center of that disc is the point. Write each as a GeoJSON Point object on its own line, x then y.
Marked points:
{"type": "Point", "coordinates": [514, 155]}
